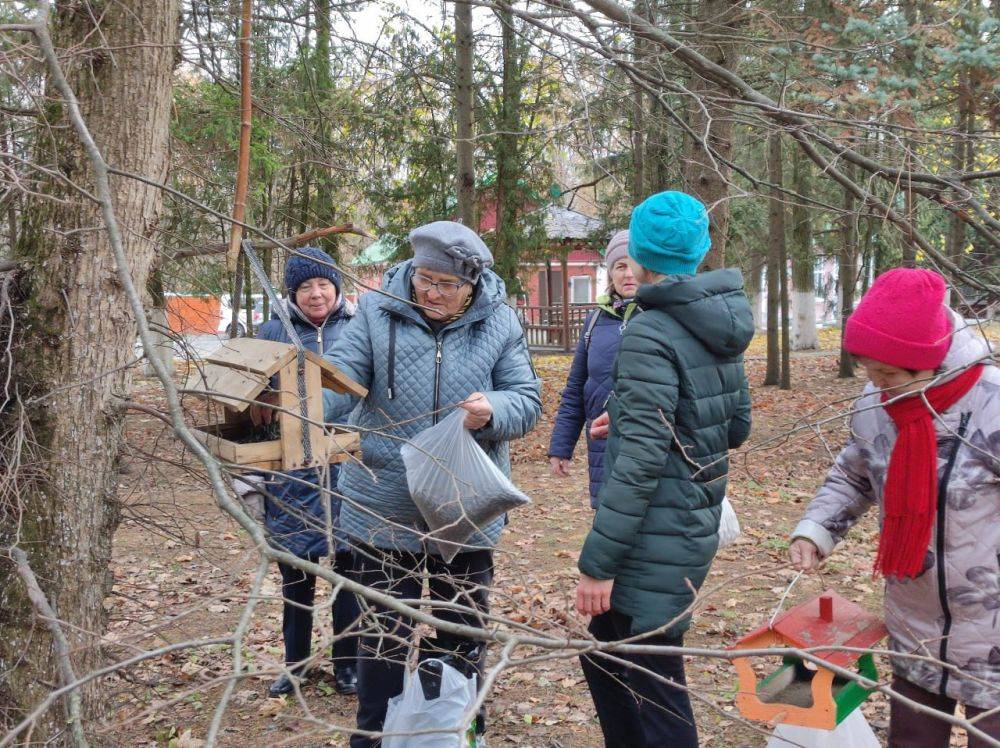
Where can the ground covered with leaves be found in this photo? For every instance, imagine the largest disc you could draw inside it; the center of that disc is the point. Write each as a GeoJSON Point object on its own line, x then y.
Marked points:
{"type": "Point", "coordinates": [182, 571]}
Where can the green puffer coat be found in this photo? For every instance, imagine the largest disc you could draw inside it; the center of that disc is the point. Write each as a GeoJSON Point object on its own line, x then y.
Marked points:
{"type": "Point", "coordinates": [680, 402]}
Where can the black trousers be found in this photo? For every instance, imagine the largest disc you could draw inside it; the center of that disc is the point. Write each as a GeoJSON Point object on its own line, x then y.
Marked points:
{"type": "Point", "coordinates": [382, 653]}
{"type": "Point", "coordinates": [636, 709]}
{"type": "Point", "coordinates": [299, 590]}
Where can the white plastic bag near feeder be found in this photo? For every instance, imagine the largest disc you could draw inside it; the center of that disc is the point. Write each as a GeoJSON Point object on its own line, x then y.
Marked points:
{"type": "Point", "coordinates": [853, 732]}
{"type": "Point", "coordinates": [729, 525]}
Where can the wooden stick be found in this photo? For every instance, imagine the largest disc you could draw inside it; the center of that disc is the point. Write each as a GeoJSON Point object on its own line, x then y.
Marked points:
{"type": "Point", "coordinates": [243, 164]}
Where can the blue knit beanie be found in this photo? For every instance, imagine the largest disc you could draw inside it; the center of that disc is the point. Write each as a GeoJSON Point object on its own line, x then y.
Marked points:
{"type": "Point", "coordinates": [668, 233]}
{"type": "Point", "coordinates": [310, 262]}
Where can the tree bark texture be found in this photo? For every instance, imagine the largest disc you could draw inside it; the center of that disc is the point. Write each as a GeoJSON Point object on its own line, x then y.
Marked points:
{"type": "Point", "coordinates": [327, 197]}
{"type": "Point", "coordinates": [963, 158]}
{"type": "Point", "coordinates": [775, 251]}
{"type": "Point", "coordinates": [706, 177]}
{"type": "Point", "coordinates": [465, 186]}
{"type": "Point", "coordinates": [508, 157]}
{"type": "Point", "coordinates": [847, 276]}
{"type": "Point", "coordinates": [75, 332]}
{"type": "Point", "coordinates": [803, 261]}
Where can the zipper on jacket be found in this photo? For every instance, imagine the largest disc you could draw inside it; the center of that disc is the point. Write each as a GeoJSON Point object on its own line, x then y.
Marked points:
{"type": "Point", "coordinates": [391, 385]}
{"type": "Point", "coordinates": [439, 342]}
{"type": "Point", "coordinates": [942, 586]}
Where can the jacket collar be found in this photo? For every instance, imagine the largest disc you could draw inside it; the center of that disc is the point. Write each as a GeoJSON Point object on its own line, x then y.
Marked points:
{"type": "Point", "coordinates": [344, 308]}
{"type": "Point", "coordinates": [617, 308]}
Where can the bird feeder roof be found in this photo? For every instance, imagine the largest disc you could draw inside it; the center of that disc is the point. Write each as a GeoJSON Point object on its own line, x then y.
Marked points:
{"type": "Point", "coordinates": [240, 369]}
{"type": "Point", "coordinates": [846, 625]}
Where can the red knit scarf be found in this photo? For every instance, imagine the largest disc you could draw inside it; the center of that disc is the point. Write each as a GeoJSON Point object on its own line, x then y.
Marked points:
{"type": "Point", "coordinates": [911, 485]}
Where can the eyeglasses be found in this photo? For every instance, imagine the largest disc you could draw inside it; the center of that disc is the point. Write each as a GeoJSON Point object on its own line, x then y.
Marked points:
{"type": "Point", "coordinates": [446, 288]}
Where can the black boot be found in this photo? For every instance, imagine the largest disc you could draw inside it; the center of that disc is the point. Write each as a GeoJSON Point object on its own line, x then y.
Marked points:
{"type": "Point", "coordinates": [346, 680]}
{"type": "Point", "coordinates": [286, 684]}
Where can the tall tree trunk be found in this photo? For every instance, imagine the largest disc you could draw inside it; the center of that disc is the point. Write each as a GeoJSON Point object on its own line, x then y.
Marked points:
{"type": "Point", "coordinates": [962, 160]}
{"type": "Point", "coordinates": [75, 333]}
{"type": "Point", "coordinates": [754, 288]}
{"type": "Point", "coordinates": [704, 177]}
{"type": "Point", "coordinates": [7, 144]}
{"type": "Point", "coordinates": [508, 161]}
{"type": "Point", "coordinates": [465, 178]}
{"type": "Point", "coordinates": [909, 68]}
{"type": "Point", "coordinates": [638, 123]}
{"type": "Point", "coordinates": [803, 261]}
{"type": "Point", "coordinates": [777, 179]}
{"type": "Point", "coordinates": [847, 276]}
{"type": "Point", "coordinates": [775, 251]}
{"type": "Point", "coordinates": [638, 145]}
{"type": "Point", "coordinates": [325, 210]}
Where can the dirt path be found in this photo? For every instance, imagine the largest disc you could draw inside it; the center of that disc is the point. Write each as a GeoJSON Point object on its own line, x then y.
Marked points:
{"type": "Point", "coordinates": [182, 572]}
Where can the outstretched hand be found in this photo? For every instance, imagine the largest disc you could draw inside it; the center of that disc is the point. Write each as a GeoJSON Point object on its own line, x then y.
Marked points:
{"type": "Point", "coordinates": [803, 554]}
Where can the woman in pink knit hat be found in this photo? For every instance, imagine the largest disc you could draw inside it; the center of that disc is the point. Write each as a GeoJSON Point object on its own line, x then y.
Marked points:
{"type": "Point", "coordinates": [925, 449]}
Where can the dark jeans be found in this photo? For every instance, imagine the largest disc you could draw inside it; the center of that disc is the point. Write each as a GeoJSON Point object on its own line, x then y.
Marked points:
{"type": "Point", "coordinates": [299, 590]}
{"type": "Point", "coordinates": [382, 654]}
{"type": "Point", "coordinates": [634, 708]}
{"type": "Point", "coordinates": [909, 728]}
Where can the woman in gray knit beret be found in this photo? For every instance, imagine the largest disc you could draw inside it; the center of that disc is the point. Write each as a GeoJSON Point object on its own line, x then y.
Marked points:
{"type": "Point", "coordinates": [458, 343]}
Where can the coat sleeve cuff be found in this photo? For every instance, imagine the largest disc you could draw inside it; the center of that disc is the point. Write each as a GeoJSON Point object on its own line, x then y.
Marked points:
{"type": "Point", "coordinates": [819, 535]}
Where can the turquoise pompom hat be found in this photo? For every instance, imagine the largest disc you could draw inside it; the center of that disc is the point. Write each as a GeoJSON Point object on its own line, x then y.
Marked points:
{"type": "Point", "coordinates": [668, 233]}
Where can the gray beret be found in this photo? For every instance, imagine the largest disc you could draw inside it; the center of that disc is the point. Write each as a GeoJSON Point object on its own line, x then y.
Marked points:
{"type": "Point", "coordinates": [452, 248]}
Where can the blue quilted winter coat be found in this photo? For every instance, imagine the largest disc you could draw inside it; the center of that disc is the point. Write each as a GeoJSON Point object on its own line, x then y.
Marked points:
{"type": "Point", "coordinates": [294, 515]}
{"type": "Point", "coordinates": [410, 372]}
{"type": "Point", "coordinates": [587, 388]}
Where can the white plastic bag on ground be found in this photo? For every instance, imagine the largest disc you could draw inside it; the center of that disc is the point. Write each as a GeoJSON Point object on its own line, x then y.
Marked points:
{"type": "Point", "coordinates": [412, 711]}
{"type": "Point", "coordinates": [853, 732]}
{"type": "Point", "coordinates": [729, 525]}
{"type": "Point", "coordinates": [455, 484]}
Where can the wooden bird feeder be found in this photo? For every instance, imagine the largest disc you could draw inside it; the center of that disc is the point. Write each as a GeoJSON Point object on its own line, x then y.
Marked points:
{"type": "Point", "coordinates": [240, 370]}
{"type": "Point", "coordinates": [800, 692]}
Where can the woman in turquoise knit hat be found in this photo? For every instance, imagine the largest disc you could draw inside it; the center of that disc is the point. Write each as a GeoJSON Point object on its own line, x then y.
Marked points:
{"type": "Point", "coordinates": [680, 402]}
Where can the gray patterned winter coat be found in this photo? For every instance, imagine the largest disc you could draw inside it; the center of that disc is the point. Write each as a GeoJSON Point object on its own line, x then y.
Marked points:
{"type": "Point", "coordinates": [410, 372]}
{"type": "Point", "coordinates": [952, 610]}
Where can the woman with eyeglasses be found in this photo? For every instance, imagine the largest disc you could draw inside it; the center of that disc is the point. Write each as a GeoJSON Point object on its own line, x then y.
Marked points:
{"type": "Point", "coordinates": [442, 336]}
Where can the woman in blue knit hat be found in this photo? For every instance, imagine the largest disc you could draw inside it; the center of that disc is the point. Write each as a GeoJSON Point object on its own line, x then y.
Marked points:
{"type": "Point", "coordinates": [679, 403]}
{"type": "Point", "coordinates": [295, 510]}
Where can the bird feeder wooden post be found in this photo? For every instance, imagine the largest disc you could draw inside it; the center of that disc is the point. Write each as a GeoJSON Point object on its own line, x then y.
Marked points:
{"type": "Point", "coordinates": [801, 692]}
{"type": "Point", "coordinates": [240, 370]}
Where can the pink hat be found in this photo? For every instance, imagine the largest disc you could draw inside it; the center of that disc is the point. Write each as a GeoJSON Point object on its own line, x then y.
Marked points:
{"type": "Point", "coordinates": [902, 320]}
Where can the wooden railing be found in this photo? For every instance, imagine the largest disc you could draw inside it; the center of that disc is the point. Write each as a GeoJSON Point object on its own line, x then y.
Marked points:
{"type": "Point", "coordinates": [553, 328]}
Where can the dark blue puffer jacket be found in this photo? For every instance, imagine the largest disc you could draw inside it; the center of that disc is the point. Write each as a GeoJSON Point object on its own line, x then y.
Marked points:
{"type": "Point", "coordinates": [293, 512]}
{"type": "Point", "coordinates": [587, 388]}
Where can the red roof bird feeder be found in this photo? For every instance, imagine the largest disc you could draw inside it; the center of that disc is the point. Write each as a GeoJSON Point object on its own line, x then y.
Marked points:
{"type": "Point", "coordinates": [801, 692]}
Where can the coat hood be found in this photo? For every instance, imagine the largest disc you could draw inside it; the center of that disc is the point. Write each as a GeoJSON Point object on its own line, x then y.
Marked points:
{"type": "Point", "coordinates": [968, 345]}
{"type": "Point", "coordinates": [711, 306]}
